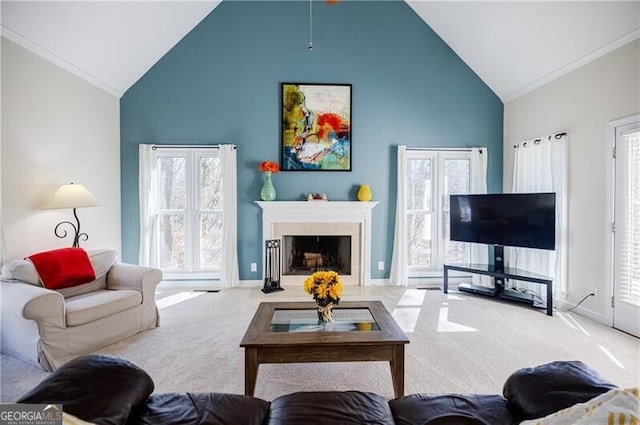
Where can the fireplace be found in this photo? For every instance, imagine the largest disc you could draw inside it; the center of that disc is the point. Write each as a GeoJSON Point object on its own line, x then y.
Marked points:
{"type": "Point", "coordinates": [303, 254]}
{"type": "Point", "coordinates": [331, 234]}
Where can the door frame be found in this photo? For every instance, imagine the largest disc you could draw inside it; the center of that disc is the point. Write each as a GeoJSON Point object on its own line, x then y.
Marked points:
{"type": "Point", "coordinates": [610, 242]}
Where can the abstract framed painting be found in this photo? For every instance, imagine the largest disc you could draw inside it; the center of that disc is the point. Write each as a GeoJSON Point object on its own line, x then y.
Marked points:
{"type": "Point", "coordinates": [316, 127]}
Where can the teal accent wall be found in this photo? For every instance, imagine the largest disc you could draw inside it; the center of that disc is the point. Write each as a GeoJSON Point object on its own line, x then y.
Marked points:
{"type": "Point", "coordinates": [221, 83]}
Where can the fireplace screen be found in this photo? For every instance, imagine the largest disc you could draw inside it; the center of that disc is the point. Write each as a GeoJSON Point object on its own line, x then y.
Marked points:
{"type": "Point", "coordinates": [307, 254]}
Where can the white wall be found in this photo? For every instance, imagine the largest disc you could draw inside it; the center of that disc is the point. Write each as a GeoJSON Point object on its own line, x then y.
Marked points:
{"type": "Point", "coordinates": [582, 103]}
{"type": "Point", "coordinates": [56, 129]}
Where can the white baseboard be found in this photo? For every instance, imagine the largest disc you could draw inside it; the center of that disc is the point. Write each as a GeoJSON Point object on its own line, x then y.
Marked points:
{"type": "Point", "coordinates": [251, 284]}
{"type": "Point", "coordinates": [205, 284]}
{"type": "Point", "coordinates": [379, 282]}
{"type": "Point", "coordinates": [582, 311]}
{"type": "Point", "coordinates": [191, 285]}
{"type": "Point", "coordinates": [259, 283]}
{"type": "Point", "coordinates": [428, 282]}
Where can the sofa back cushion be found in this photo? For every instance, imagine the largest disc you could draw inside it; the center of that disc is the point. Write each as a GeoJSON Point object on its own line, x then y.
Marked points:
{"type": "Point", "coordinates": [202, 408]}
{"type": "Point", "coordinates": [330, 407]}
{"type": "Point", "coordinates": [95, 388]}
{"type": "Point", "coordinates": [101, 260]}
{"type": "Point", "coordinates": [535, 392]}
{"type": "Point", "coordinates": [451, 409]}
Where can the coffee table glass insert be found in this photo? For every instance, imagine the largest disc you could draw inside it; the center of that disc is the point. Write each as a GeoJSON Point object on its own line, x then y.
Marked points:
{"type": "Point", "coordinates": [306, 320]}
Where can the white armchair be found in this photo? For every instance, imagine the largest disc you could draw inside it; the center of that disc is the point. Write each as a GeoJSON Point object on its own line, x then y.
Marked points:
{"type": "Point", "coordinates": [49, 327]}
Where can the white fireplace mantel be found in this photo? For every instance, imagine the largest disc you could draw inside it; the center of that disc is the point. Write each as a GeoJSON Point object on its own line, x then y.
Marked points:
{"type": "Point", "coordinates": [276, 212]}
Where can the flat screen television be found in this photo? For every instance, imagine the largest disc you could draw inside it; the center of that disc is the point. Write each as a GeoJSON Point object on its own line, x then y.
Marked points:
{"type": "Point", "coordinates": [505, 219]}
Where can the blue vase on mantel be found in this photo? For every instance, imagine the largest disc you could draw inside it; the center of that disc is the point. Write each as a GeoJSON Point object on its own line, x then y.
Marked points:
{"type": "Point", "coordinates": [268, 192]}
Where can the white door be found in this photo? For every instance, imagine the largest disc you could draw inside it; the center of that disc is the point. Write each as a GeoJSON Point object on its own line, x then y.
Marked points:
{"type": "Point", "coordinates": [626, 303]}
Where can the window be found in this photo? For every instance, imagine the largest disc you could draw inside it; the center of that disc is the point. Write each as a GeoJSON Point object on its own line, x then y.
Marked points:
{"type": "Point", "coordinates": [189, 209]}
{"type": "Point", "coordinates": [431, 176]}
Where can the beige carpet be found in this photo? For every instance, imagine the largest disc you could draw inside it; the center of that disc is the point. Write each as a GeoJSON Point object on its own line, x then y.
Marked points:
{"type": "Point", "coordinates": [459, 343]}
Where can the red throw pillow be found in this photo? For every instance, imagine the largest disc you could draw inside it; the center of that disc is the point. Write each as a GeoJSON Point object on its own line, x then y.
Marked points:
{"type": "Point", "coordinates": [63, 268]}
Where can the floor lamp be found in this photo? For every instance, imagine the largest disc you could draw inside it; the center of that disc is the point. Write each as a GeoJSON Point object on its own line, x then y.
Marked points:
{"type": "Point", "coordinates": [71, 196]}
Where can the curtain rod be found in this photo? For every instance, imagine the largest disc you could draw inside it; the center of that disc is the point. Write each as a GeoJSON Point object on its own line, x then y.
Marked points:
{"type": "Point", "coordinates": [156, 147]}
{"type": "Point", "coordinates": [556, 136]}
{"type": "Point", "coordinates": [441, 149]}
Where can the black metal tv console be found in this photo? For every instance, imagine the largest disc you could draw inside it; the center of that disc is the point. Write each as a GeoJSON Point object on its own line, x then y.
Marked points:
{"type": "Point", "coordinates": [499, 290]}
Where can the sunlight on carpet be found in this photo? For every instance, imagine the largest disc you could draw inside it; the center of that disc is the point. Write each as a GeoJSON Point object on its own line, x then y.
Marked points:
{"type": "Point", "coordinates": [176, 299]}
{"type": "Point", "coordinates": [611, 356]}
{"type": "Point", "coordinates": [444, 325]}
{"type": "Point", "coordinates": [571, 322]}
{"type": "Point", "coordinates": [407, 318]}
{"type": "Point", "coordinates": [412, 297]}
{"type": "Point", "coordinates": [408, 308]}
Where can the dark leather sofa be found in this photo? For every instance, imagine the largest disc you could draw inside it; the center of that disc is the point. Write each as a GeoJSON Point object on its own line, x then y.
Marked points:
{"type": "Point", "coordinates": [112, 391]}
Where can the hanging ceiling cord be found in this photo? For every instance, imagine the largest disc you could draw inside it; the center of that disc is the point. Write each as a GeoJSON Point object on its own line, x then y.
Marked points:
{"type": "Point", "coordinates": [310, 25]}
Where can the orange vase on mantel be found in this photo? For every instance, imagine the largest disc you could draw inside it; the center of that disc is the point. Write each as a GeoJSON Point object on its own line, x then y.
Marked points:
{"type": "Point", "coordinates": [364, 193]}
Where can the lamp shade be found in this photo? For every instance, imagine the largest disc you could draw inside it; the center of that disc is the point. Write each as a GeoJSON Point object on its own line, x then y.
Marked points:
{"type": "Point", "coordinates": [72, 196]}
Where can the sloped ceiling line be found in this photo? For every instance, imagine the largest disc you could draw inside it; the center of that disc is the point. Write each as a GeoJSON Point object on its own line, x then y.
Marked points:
{"type": "Point", "coordinates": [635, 35]}
{"type": "Point", "coordinates": [108, 43]}
{"type": "Point", "coordinates": [513, 46]}
{"type": "Point", "coordinates": [57, 60]}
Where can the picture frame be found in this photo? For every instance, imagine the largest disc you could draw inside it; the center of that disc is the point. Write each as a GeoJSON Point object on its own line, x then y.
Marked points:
{"type": "Point", "coordinates": [315, 127]}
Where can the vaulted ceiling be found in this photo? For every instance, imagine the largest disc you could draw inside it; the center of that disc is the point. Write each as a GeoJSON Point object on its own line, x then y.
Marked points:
{"type": "Point", "coordinates": [512, 46]}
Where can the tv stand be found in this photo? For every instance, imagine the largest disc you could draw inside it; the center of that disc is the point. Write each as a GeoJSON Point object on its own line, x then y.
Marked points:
{"type": "Point", "coordinates": [499, 291]}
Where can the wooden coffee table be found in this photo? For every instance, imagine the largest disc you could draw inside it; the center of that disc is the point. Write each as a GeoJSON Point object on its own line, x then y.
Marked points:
{"type": "Point", "coordinates": [288, 332]}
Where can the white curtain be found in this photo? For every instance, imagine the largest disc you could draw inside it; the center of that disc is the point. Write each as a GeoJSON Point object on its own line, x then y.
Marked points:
{"type": "Point", "coordinates": [540, 165]}
{"type": "Point", "coordinates": [230, 276]}
{"type": "Point", "coordinates": [147, 182]}
{"type": "Point", "coordinates": [478, 185]}
{"type": "Point", "coordinates": [398, 274]}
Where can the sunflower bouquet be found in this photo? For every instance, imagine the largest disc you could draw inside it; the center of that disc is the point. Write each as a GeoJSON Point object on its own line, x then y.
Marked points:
{"type": "Point", "coordinates": [326, 288]}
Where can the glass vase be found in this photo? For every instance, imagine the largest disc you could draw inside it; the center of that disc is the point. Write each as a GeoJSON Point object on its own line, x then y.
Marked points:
{"type": "Point", "coordinates": [325, 313]}
{"type": "Point", "coordinates": [268, 192]}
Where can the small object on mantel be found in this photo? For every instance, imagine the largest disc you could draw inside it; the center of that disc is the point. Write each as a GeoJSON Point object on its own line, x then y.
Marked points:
{"type": "Point", "coordinates": [364, 193]}
{"type": "Point", "coordinates": [317, 197]}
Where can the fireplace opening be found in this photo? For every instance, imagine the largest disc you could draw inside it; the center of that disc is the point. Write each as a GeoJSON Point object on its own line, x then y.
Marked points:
{"type": "Point", "coordinates": [306, 254]}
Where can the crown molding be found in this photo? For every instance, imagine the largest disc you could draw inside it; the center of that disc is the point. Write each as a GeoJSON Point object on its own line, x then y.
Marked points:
{"type": "Point", "coordinates": [57, 60]}
{"type": "Point", "coordinates": [634, 35]}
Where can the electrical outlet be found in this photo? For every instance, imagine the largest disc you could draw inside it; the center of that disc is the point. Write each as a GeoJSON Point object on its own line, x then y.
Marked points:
{"type": "Point", "coordinates": [593, 290]}
{"type": "Point", "coordinates": [254, 267]}
{"type": "Point", "coordinates": [380, 265]}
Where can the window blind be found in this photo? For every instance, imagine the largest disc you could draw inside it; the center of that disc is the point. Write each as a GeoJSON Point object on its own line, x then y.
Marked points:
{"type": "Point", "coordinates": [628, 216]}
